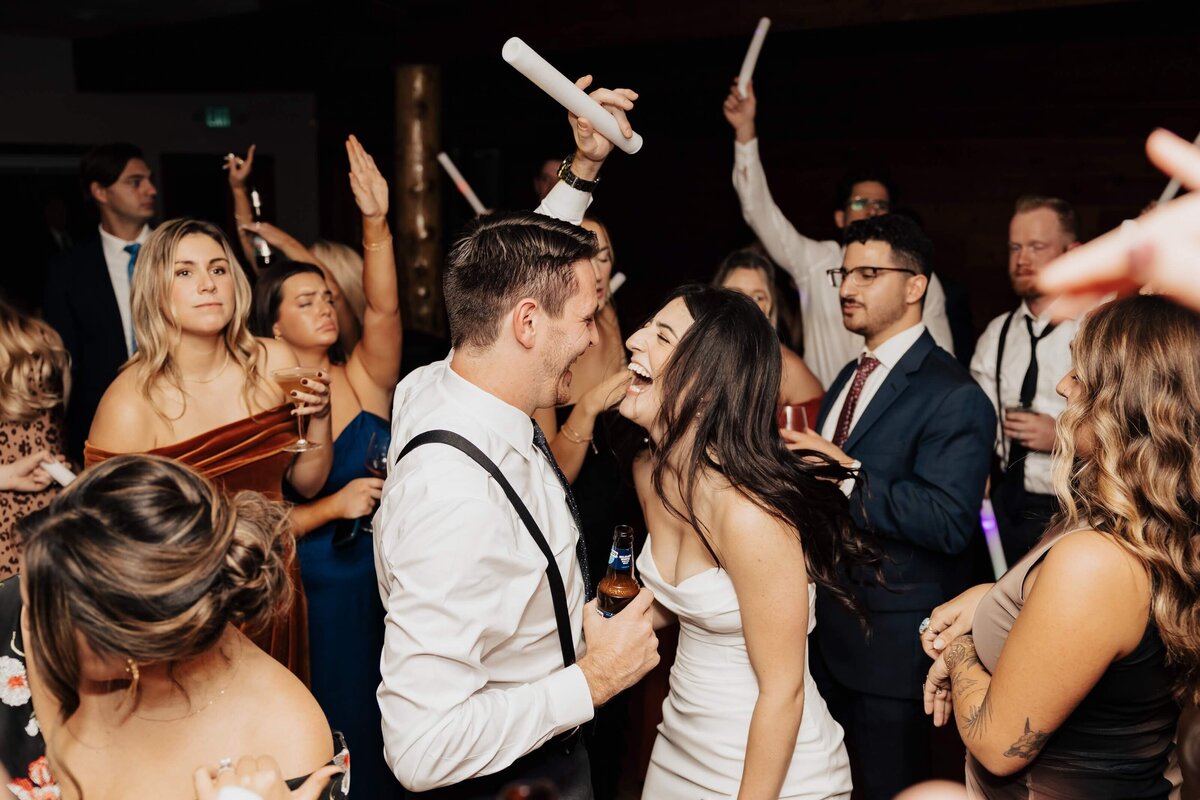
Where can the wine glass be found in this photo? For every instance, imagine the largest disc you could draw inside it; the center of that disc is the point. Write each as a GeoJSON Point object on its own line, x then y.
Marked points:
{"type": "Point", "coordinates": [376, 462]}
{"type": "Point", "coordinates": [292, 380]}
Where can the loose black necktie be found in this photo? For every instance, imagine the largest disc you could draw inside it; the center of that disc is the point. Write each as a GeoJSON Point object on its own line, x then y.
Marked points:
{"type": "Point", "coordinates": [1016, 450]}
{"type": "Point", "coordinates": [539, 441]}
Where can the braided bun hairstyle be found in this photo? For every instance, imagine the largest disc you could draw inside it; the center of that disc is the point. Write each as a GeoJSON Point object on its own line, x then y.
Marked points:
{"type": "Point", "coordinates": [148, 561]}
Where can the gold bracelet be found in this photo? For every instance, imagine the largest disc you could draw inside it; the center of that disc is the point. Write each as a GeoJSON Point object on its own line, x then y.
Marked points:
{"type": "Point", "coordinates": [572, 436]}
{"type": "Point", "coordinates": [380, 245]}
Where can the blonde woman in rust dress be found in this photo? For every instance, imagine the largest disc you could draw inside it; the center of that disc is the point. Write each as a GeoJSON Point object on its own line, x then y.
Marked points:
{"type": "Point", "coordinates": [198, 389]}
{"type": "Point", "coordinates": [1064, 677]}
{"type": "Point", "coordinates": [34, 370]}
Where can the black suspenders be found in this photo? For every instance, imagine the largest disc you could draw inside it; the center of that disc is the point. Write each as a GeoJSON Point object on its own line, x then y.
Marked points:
{"type": "Point", "coordinates": [558, 592]}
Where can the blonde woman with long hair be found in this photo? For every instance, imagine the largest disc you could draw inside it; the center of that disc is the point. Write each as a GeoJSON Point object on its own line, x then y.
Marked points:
{"type": "Point", "coordinates": [34, 380]}
{"type": "Point", "coordinates": [198, 389]}
{"type": "Point", "coordinates": [1065, 677]}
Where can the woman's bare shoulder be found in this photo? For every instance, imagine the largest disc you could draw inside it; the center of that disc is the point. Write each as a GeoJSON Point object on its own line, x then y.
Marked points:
{"type": "Point", "coordinates": [290, 724]}
{"type": "Point", "coordinates": [125, 419]}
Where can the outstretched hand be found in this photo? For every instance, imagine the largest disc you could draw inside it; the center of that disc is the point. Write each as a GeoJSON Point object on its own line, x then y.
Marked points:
{"type": "Point", "coordinates": [368, 184]}
{"type": "Point", "coordinates": [239, 168]}
{"type": "Point", "coordinates": [588, 141]}
{"type": "Point", "coordinates": [1159, 252]}
{"type": "Point", "coordinates": [741, 111]}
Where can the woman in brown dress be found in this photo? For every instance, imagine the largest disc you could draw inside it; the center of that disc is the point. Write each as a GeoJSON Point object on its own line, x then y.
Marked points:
{"type": "Point", "coordinates": [198, 389]}
{"type": "Point", "coordinates": [34, 370]}
{"type": "Point", "coordinates": [1064, 677]}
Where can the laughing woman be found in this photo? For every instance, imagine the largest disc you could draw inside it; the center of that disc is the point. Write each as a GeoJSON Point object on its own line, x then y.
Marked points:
{"type": "Point", "coordinates": [742, 531]}
{"type": "Point", "coordinates": [1065, 675]}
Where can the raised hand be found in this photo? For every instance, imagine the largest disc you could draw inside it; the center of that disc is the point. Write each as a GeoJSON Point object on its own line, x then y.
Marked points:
{"type": "Point", "coordinates": [590, 144]}
{"type": "Point", "coordinates": [741, 111]}
{"type": "Point", "coordinates": [368, 184]}
{"type": "Point", "coordinates": [239, 168]}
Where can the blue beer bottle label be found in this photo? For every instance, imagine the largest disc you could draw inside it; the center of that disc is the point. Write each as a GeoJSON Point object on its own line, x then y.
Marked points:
{"type": "Point", "coordinates": [620, 559]}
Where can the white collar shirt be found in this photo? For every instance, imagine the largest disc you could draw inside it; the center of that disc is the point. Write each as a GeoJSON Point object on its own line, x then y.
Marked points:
{"type": "Point", "coordinates": [117, 261]}
{"type": "Point", "coordinates": [472, 667]}
{"type": "Point", "coordinates": [889, 354]}
{"type": "Point", "coordinates": [1054, 361]}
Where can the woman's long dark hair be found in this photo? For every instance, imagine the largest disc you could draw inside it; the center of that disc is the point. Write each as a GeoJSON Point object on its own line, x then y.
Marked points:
{"type": "Point", "coordinates": [720, 390]}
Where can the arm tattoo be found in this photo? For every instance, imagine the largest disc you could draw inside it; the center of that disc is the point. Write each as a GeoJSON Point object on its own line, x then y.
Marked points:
{"type": "Point", "coordinates": [1029, 745]}
{"type": "Point", "coordinates": [961, 653]}
{"type": "Point", "coordinates": [978, 718]}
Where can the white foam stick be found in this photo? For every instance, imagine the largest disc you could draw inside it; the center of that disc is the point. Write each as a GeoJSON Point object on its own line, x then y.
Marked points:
{"type": "Point", "coordinates": [616, 282]}
{"type": "Point", "coordinates": [1174, 184]}
{"type": "Point", "coordinates": [461, 184]}
{"type": "Point", "coordinates": [527, 62]}
{"type": "Point", "coordinates": [59, 472]}
{"type": "Point", "coordinates": [751, 59]}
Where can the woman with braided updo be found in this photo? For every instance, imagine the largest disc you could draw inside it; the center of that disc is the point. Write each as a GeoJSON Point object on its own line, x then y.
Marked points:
{"type": "Point", "coordinates": [137, 583]}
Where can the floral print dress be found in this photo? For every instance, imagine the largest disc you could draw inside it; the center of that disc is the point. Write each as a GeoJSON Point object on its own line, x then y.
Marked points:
{"type": "Point", "coordinates": [22, 751]}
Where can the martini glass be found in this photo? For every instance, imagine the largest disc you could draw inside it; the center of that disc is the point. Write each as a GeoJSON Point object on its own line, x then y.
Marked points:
{"type": "Point", "coordinates": [292, 380]}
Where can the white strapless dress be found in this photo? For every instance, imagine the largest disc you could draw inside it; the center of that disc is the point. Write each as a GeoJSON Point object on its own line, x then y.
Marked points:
{"type": "Point", "coordinates": [701, 746]}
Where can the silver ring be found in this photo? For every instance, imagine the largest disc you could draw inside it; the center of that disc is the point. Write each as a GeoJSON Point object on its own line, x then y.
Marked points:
{"type": "Point", "coordinates": [225, 765]}
{"type": "Point", "coordinates": [924, 626]}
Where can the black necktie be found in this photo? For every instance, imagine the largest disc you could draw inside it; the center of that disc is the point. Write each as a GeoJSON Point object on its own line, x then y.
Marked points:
{"type": "Point", "coordinates": [539, 441]}
{"type": "Point", "coordinates": [1016, 450]}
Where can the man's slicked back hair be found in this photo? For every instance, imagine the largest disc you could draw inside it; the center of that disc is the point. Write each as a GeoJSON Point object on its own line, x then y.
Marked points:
{"type": "Point", "coordinates": [502, 258]}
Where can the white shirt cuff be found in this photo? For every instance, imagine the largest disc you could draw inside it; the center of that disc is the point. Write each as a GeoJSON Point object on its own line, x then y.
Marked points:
{"type": "Point", "coordinates": [570, 698]}
{"type": "Point", "coordinates": [848, 484]}
{"type": "Point", "coordinates": [745, 151]}
{"type": "Point", "coordinates": [565, 203]}
{"type": "Point", "coordinates": [237, 793]}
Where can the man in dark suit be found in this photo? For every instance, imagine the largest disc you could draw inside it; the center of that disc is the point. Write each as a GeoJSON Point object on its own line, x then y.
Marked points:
{"type": "Point", "coordinates": [88, 287]}
{"type": "Point", "coordinates": [920, 430]}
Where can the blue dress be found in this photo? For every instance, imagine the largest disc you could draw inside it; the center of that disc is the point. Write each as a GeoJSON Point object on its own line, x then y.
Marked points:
{"type": "Point", "coordinates": [345, 620]}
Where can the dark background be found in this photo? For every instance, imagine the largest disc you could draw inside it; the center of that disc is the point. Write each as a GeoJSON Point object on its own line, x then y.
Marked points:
{"type": "Point", "coordinates": [969, 103]}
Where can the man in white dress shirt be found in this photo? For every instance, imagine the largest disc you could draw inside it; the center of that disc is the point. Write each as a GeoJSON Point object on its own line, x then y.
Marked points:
{"type": "Point", "coordinates": [1019, 360]}
{"type": "Point", "coordinates": [828, 345]}
{"type": "Point", "coordinates": [87, 297]}
{"type": "Point", "coordinates": [485, 681]}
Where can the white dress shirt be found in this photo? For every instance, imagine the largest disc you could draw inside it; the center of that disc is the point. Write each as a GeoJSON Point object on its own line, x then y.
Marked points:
{"type": "Point", "coordinates": [828, 346]}
{"type": "Point", "coordinates": [1054, 361]}
{"type": "Point", "coordinates": [118, 272]}
{"type": "Point", "coordinates": [889, 354]}
{"type": "Point", "coordinates": [473, 674]}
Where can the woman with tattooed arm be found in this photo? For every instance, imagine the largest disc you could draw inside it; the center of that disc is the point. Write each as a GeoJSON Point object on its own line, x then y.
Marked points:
{"type": "Point", "coordinates": [1064, 677]}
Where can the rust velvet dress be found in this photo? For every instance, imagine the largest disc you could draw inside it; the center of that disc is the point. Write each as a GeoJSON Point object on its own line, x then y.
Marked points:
{"type": "Point", "coordinates": [248, 455]}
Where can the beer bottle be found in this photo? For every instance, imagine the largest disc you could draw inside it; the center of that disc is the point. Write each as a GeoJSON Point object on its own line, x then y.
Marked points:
{"type": "Point", "coordinates": [619, 586]}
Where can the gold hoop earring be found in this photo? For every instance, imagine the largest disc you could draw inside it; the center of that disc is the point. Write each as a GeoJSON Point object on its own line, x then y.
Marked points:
{"type": "Point", "coordinates": [131, 668]}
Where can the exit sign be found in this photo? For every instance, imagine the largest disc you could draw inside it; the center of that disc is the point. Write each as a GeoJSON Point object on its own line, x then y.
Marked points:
{"type": "Point", "coordinates": [217, 117]}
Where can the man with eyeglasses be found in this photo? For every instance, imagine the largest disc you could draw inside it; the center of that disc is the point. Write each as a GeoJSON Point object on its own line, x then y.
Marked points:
{"type": "Point", "coordinates": [1019, 360]}
{"type": "Point", "coordinates": [919, 430]}
{"type": "Point", "coordinates": [827, 344]}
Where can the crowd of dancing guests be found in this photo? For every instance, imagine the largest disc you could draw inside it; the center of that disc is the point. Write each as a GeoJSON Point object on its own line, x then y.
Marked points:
{"type": "Point", "coordinates": [279, 551]}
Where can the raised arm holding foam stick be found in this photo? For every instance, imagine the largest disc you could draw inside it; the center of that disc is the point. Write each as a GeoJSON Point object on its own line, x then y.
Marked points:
{"type": "Point", "coordinates": [1160, 250]}
{"type": "Point", "coordinates": [756, 43]}
{"type": "Point", "coordinates": [615, 128]}
{"type": "Point", "coordinates": [461, 184]}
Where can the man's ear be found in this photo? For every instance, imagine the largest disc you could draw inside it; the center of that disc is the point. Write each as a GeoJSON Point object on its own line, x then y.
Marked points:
{"type": "Point", "coordinates": [525, 322]}
{"type": "Point", "coordinates": [839, 219]}
{"type": "Point", "coordinates": [1073, 245]}
{"type": "Point", "coordinates": [98, 192]}
{"type": "Point", "coordinates": [916, 288]}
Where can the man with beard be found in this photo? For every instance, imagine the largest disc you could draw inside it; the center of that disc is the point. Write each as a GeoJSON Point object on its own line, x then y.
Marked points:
{"type": "Point", "coordinates": [908, 416]}
{"type": "Point", "coordinates": [485, 680]}
{"type": "Point", "coordinates": [1019, 359]}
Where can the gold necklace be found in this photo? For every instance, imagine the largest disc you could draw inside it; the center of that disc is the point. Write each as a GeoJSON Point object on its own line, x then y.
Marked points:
{"type": "Point", "coordinates": [206, 706]}
{"type": "Point", "coordinates": [224, 364]}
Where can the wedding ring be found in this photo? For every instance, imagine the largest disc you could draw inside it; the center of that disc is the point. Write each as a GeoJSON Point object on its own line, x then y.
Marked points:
{"type": "Point", "coordinates": [924, 626]}
{"type": "Point", "coordinates": [225, 765]}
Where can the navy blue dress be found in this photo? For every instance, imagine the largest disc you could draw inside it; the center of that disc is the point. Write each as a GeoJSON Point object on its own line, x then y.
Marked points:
{"type": "Point", "coordinates": [345, 620]}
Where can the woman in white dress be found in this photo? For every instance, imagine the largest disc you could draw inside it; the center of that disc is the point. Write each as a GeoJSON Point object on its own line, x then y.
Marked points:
{"type": "Point", "coordinates": [741, 532]}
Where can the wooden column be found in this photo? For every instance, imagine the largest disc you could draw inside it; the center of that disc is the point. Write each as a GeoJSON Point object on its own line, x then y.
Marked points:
{"type": "Point", "coordinates": [418, 208]}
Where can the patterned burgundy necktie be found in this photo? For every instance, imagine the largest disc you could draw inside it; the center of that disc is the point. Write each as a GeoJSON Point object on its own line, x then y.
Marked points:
{"type": "Point", "coordinates": [865, 367]}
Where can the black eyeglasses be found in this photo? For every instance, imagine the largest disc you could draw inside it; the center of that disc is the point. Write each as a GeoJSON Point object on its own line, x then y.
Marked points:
{"type": "Point", "coordinates": [861, 276]}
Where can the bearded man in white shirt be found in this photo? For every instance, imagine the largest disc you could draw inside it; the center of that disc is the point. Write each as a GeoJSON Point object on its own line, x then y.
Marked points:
{"type": "Point", "coordinates": [828, 345]}
{"type": "Point", "coordinates": [486, 679]}
{"type": "Point", "coordinates": [1020, 358]}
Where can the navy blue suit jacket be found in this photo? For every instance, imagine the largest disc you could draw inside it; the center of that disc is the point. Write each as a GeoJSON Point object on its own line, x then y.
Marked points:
{"type": "Point", "coordinates": [925, 443]}
{"type": "Point", "coordinates": [81, 305]}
